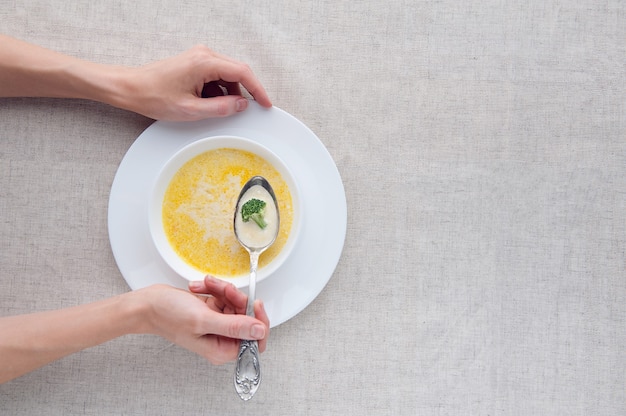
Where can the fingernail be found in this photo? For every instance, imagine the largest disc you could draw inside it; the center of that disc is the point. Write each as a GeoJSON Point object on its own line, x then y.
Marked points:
{"type": "Point", "coordinates": [242, 104]}
{"type": "Point", "coordinates": [195, 285]}
{"type": "Point", "coordinates": [257, 331]}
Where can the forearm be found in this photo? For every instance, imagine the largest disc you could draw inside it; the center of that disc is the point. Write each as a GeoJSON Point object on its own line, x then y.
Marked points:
{"type": "Point", "coordinates": [28, 70]}
{"type": "Point", "coordinates": [28, 342]}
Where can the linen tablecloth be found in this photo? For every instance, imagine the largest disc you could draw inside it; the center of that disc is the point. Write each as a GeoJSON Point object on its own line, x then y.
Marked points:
{"type": "Point", "coordinates": [482, 147]}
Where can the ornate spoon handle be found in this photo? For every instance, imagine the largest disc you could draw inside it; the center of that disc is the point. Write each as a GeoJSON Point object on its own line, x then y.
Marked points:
{"type": "Point", "coordinates": [248, 368]}
{"type": "Point", "coordinates": [248, 371]}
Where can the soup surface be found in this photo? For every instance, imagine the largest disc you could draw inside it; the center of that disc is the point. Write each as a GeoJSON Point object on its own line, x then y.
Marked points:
{"type": "Point", "coordinates": [199, 207]}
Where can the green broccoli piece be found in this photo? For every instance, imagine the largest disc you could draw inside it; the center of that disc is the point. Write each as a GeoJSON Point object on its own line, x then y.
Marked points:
{"type": "Point", "coordinates": [254, 209]}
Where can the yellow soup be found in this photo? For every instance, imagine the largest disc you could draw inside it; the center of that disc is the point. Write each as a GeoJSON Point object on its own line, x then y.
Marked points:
{"type": "Point", "coordinates": [199, 206]}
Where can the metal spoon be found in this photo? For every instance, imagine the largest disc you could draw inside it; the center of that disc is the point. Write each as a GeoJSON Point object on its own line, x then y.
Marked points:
{"type": "Point", "coordinates": [248, 370]}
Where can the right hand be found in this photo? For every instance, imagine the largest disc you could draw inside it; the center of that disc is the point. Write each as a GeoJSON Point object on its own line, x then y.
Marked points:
{"type": "Point", "coordinates": [209, 326]}
{"type": "Point", "coordinates": [172, 89]}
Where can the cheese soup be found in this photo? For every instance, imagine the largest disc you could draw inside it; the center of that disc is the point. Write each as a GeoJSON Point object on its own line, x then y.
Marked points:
{"type": "Point", "coordinates": [199, 207]}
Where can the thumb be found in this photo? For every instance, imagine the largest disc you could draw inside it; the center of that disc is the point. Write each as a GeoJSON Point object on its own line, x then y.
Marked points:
{"type": "Point", "coordinates": [236, 326]}
{"type": "Point", "coordinates": [221, 106]}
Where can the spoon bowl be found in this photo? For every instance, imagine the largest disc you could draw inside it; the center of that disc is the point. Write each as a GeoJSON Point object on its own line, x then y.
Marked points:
{"type": "Point", "coordinates": [250, 235]}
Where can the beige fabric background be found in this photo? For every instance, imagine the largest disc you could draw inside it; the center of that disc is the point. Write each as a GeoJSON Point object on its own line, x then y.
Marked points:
{"type": "Point", "coordinates": [482, 145]}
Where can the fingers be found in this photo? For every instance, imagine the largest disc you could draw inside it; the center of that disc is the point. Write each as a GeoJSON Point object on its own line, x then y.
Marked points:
{"type": "Point", "coordinates": [233, 322]}
{"type": "Point", "coordinates": [237, 327]}
{"type": "Point", "coordinates": [221, 106]}
{"type": "Point", "coordinates": [227, 298]}
{"type": "Point", "coordinates": [261, 315]}
{"type": "Point", "coordinates": [210, 286]}
{"type": "Point", "coordinates": [230, 73]}
{"type": "Point", "coordinates": [236, 72]}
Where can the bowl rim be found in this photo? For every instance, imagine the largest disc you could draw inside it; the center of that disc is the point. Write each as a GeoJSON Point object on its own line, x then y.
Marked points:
{"type": "Point", "coordinates": [167, 172]}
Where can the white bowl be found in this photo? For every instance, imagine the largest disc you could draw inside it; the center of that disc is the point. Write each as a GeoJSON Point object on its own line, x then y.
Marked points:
{"type": "Point", "coordinates": [172, 166]}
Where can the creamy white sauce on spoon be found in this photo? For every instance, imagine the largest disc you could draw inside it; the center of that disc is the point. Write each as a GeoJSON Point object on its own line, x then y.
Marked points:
{"type": "Point", "coordinates": [249, 232]}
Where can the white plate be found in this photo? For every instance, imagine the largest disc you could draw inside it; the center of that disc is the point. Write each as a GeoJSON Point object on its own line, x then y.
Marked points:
{"type": "Point", "coordinates": [305, 273]}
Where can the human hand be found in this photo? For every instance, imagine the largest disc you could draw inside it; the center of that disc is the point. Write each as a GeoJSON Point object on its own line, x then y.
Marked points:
{"type": "Point", "coordinates": [170, 89]}
{"type": "Point", "coordinates": [209, 326]}
{"type": "Point", "coordinates": [173, 88]}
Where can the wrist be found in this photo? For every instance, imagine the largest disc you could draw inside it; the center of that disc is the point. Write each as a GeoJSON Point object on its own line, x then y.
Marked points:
{"type": "Point", "coordinates": [137, 312]}
{"type": "Point", "coordinates": [107, 84]}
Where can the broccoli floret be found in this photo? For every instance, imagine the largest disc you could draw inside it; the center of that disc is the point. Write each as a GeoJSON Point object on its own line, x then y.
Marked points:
{"type": "Point", "coordinates": [254, 209]}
